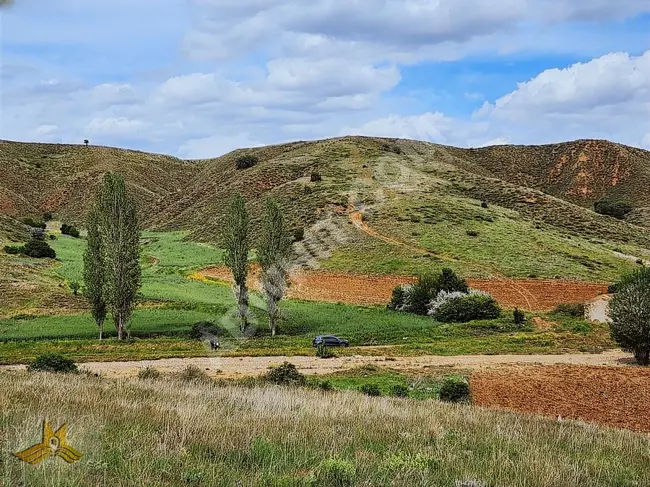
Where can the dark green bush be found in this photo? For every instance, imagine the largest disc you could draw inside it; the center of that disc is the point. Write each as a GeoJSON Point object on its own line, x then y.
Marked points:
{"type": "Point", "coordinates": [472, 233]}
{"type": "Point", "coordinates": [398, 299]}
{"type": "Point", "coordinates": [34, 223]}
{"type": "Point", "coordinates": [612, 288]}
{"type": "Point", "coordinates": [246, 161]}
{"type": "Point", "coordinates": [468, 308]}
{"type": "Point", "coordinates": [47, 216]}
{"type": "Point", "coordinates": [69, 230]}
{"type": "Point", "coordinates": [518, 316]}
{"type": "Point", "coordinates": [13, 250]}
{"type": "Point", "coordinates": [315, 177]}
{"type": "Point", "coordinates": [455, 389]}
{"type": "Point", "coordinates": [285, 374]}
{"type": "Point", "coordinates": [399, 390]}
{"type": "Point", "coordinates": [323, 351]}
{"type": "Point", "coordinates": [38, 249]}
{"type": "Point", "coordinates": [298, 234]}
{"type": "Point", "coordinates": [203, 329]}
{"type": "Point", "coordinates": [577, 310]}
{"type": "Point", "coordinates": [416, 298]}
{"type": "Point", "coordinates": [370, 389]}
{"type": "Point", "coordinates": [324, 385]}
{"type": "Point", "coordinates": [615, 208]}
{"type": "Point", "coordinates": [52, 362]}
{"type": "Point", "coordinates": [484, 204]}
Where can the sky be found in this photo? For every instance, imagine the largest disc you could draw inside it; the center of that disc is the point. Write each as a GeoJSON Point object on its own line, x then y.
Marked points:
{"type": "Point", "coordinates": [199, 78]}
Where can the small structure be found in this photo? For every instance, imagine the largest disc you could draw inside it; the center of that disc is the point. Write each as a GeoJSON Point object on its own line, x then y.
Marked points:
{"type": "Point", "coordinates": [597, 309]}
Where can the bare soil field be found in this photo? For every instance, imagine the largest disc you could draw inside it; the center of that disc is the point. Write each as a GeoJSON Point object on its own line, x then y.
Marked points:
{"type": "Point", "coordinates": [613, 396]}
{"type": "Point", "coordinates": [358, 289]}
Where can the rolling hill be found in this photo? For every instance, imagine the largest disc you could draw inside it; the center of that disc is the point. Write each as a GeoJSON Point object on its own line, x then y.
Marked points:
{"type": "Point", "coordinates": [381, 205]}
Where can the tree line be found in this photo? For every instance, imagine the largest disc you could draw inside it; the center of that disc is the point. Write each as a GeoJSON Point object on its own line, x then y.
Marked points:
{"type": "Point", "coordinates": [112, 273]}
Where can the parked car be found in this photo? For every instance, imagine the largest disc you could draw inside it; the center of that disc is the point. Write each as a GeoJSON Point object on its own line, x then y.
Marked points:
{"type": "Point", "coordinates": [330, 341]}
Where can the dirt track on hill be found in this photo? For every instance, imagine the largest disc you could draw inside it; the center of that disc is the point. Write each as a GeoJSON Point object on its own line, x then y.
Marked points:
{"type": "Point", "coordinates": [233, 367]}
{"type": "Point", "coordinates": [377, 289]}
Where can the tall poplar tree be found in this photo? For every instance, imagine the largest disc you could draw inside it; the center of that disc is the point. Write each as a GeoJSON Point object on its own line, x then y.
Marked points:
{"type": "Point", "coordinates": [94, 270]}
{"type": "Point", "coordinates": [120, 235]}
{"type": "Point", "coordinates": [237, 244]}
{"type": "Point", "coordinates": [273, 253]}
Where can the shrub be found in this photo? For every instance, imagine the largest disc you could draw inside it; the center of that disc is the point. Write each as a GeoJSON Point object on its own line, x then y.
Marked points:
{"type": "Point", "coordinates": [52, 362]}
{"type": "Point", "coordinates": [192, 373]}
{"type": "Point", "coordinates": [298, 234]}
{"type": "Point", "coordinates": [444, 297]}
{"type": "Point", "coordinates": [148, 373]}
{"type": "Point", "coordinates": [518, 316]}
{"type": "Point", "coordinates": [455, 389]}
{"type": "Point", "coordinates": [324, 385]}
{"type": "Point", "coordinates": [612, 288]}
{"type": "Point", "coordinates": [203, 329]}
{"type": "Point", "coordinates": [51, 236]}
{"type": "Point", "coordinates": [484, 204]}
{"type": "Point", "coordinates": [323, 351]}
{"type": "Point", "coordinates": [246, 161]}
{"type": "Point", "coordinates": [13, 250]}
{"type": "Point", "coordinates": [630, 314]}
{"type": "Point", "coordinates": [74, 287]}
{"type": "Point", "coordinates": [617, 209]}
{"type": "Point", "coordinates": [416, 298]}
{"type": "Point", "coordinates": [38, 249]}
{"type": "Point", "coordinates": [399, 390]}
{"type": "Point", "coordinates": [577, 310]}
{"type": "Point", "coordinates": [34, 223]}
{"type": "Point", "coordinates": [37, 234]}
{"type": "Point", "coordinates": [285, 374]}
{"type": "Point", "coordinates": [334, 473]}
{"type": "Point", "coordinates": [315, 177]}
{"type": "Point", "coordinates": [477, 306]}
{"type": "Point", "coordinates": [47, 216]}
{"type": "Point", "coordinates": [472, 233]}
{"type": "Point", "coordinates": [69, 230]}
{"type": "Point", "coordinates": [370, 389]}
{"type": "Point", "coordinates": [398, 300]}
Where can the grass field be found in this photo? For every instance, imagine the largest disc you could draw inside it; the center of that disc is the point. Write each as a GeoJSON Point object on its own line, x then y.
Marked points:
{"type": "Point", "coordinates": [171, 433]}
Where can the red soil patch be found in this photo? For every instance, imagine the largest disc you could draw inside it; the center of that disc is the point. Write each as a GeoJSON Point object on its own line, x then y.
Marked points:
{"type": "Point", "coordinates": [377, 289]}
{"type": "Point", "coordinates": [614, 396]}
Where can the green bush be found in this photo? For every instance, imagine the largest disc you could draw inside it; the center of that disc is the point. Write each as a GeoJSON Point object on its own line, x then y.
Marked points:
{"type": "Point", "coordinates": [455, 389]}
{"type": "Point", "coordinates": [38, 249]}
{"type": "Point", "coordinates": [298, 234]}
{"type": "Point", "coordinates": [148, 373]}
{"type": "Point", "coordinates": [52, 362]}
{"type": "Point", "coordinates": [577, 310]}
{"type": "Point", "coordinates": [398, 299]}
{"type": "Point", "coordinates": [204, 329]}
{"type": "Point", "coordinates": [13, 250]}
{"type": "Point", "coordinates": [315, 177]}
{"type": "Point", "coordinates": [323, 351]}
{"type": "Point", "coordinates": [285, 374]}
{"type": "Point", "coordinates": [74, 287]}
{"type": "Point", "coordinates": [615, 208]}
{"type": "Point", "coordinates": [324, 385]}
{"type": "Point", "coordinates": [47, 216]}
{"type": "Point", "coordinates": [484, 204]}
{"type": "Point", "coordinates": [472, 233]}
{"type": "Point", "coordinates": [370, 389]}
{"type": "Point", "coordinates": [246, 161]}
{"type": "Point", "coordinates": [630, 314]}
{"type": "Point", "coordinates": [69, 230]}
{"type": "Point", "coordinates": [468, 308]}
{"type": "Point", "coordinates": [34, 223]}
{"type": "Point", "coordinates": [192, 373]}
{"type": "Point", "coordinates": [518, 316]}
{"type": "Point", "coordinates": [334, 472]}
{"type": "Point", "coordinates": [399, 390]}
{"type": "Point", "coordinates": [416, 298]}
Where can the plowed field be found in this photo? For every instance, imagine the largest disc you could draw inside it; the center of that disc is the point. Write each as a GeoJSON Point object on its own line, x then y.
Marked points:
{"type": "Point", "coordinates": [614, 396]}
{"type": "Point", "coordinates": [376, 289]}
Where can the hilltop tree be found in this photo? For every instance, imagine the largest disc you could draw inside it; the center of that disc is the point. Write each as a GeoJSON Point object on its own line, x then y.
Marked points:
{"type": "Point", "coordinates": [94, 270]}
{"type": "Point", "coordinates": [273, 253]}
{"type": "Point", "coordinates": [120, 237]}
{"type": "Point", "coordinates": [237, 245]}
{"type": "Point", "coordinates": [630, 314]}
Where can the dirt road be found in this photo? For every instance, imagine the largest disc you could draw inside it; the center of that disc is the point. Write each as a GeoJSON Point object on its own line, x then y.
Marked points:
{"type": "Point", "coordinates": [232, 367]}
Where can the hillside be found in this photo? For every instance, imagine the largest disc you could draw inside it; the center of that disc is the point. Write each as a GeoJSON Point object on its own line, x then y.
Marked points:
{"type": "Point", "coordinates": [382, 205]}
{"type": "Point", "coordinates": [63, 178]}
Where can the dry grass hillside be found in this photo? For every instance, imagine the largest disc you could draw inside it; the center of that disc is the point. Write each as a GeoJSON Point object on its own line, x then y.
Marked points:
{"type": "Point", "coordinates": [62, 178]}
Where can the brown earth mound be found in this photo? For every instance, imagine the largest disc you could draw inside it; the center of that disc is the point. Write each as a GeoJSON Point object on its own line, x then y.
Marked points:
{"type": "Point", "coordinates": [377, 289]}
{"type": "Point", "coordinates": [614, 396]}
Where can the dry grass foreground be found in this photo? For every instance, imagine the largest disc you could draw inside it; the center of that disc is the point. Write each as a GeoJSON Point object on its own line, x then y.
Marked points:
{"type": "Point", "coordinates": [615, 396]}
{"type": "Point", "coordinates": [169, 433]}
{"type": "Point", "coordinates": [357, 289]}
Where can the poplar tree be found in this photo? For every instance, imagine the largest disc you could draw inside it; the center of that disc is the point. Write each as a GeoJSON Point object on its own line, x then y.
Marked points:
{"type": "Point", "coordinates": [237, 245]}
{"type": "Point", "coordinates": [120, 236]}
{"type": "Point", "coordinates": [94, 270]}
{"type": "Point", "coordinates": [273, 253]}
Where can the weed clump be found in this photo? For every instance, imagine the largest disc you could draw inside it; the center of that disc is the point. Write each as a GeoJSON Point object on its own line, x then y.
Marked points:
{"type": "Point", "coordinates": [52, 362]}
{"type": "Point", "coordinates": [615, 208]}
{"type": "Point", "coordinates": [285, 374]}
{"type": "Point", "coordinates": [399, 390]}
{"type": "Point", "coordinates": [148, 373]}
{"type": "Point", "coordinates": [246, 161]}
{"type": "Point", "coordinates": [315, 177]}
{"type": "Point", "coordinates": [455, 389]}
{"type": "Point", "coordinates": [518, 316]}
{"type": "Point", "coordinates": [334, 472]}
{"type": "Point", "coordinates": [34, 223]}
{"type": "Point", "coordinates": [370, 390]}
{"type": "Point", "coordinates": [575, 310]}
{"type": "Point", "coordinates": [69, 230]}
{"type": "Point", "coordinates": [192, 373]}
{"type": "Point", "coordinates": [323, 351]}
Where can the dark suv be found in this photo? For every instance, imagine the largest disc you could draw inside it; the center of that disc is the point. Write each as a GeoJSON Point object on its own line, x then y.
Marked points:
{"type": "Point", "coordinates": [330, 341]}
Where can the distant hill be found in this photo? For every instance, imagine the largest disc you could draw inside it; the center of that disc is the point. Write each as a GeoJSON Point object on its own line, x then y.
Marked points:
{"type": "Point", "coordinates": [376, 205]}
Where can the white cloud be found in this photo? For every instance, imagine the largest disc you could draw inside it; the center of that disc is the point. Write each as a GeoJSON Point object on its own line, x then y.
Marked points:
{"type": "Point", "coordinates": [216, 145]}
{"type": "Point", "coordinates": [115, 127]}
